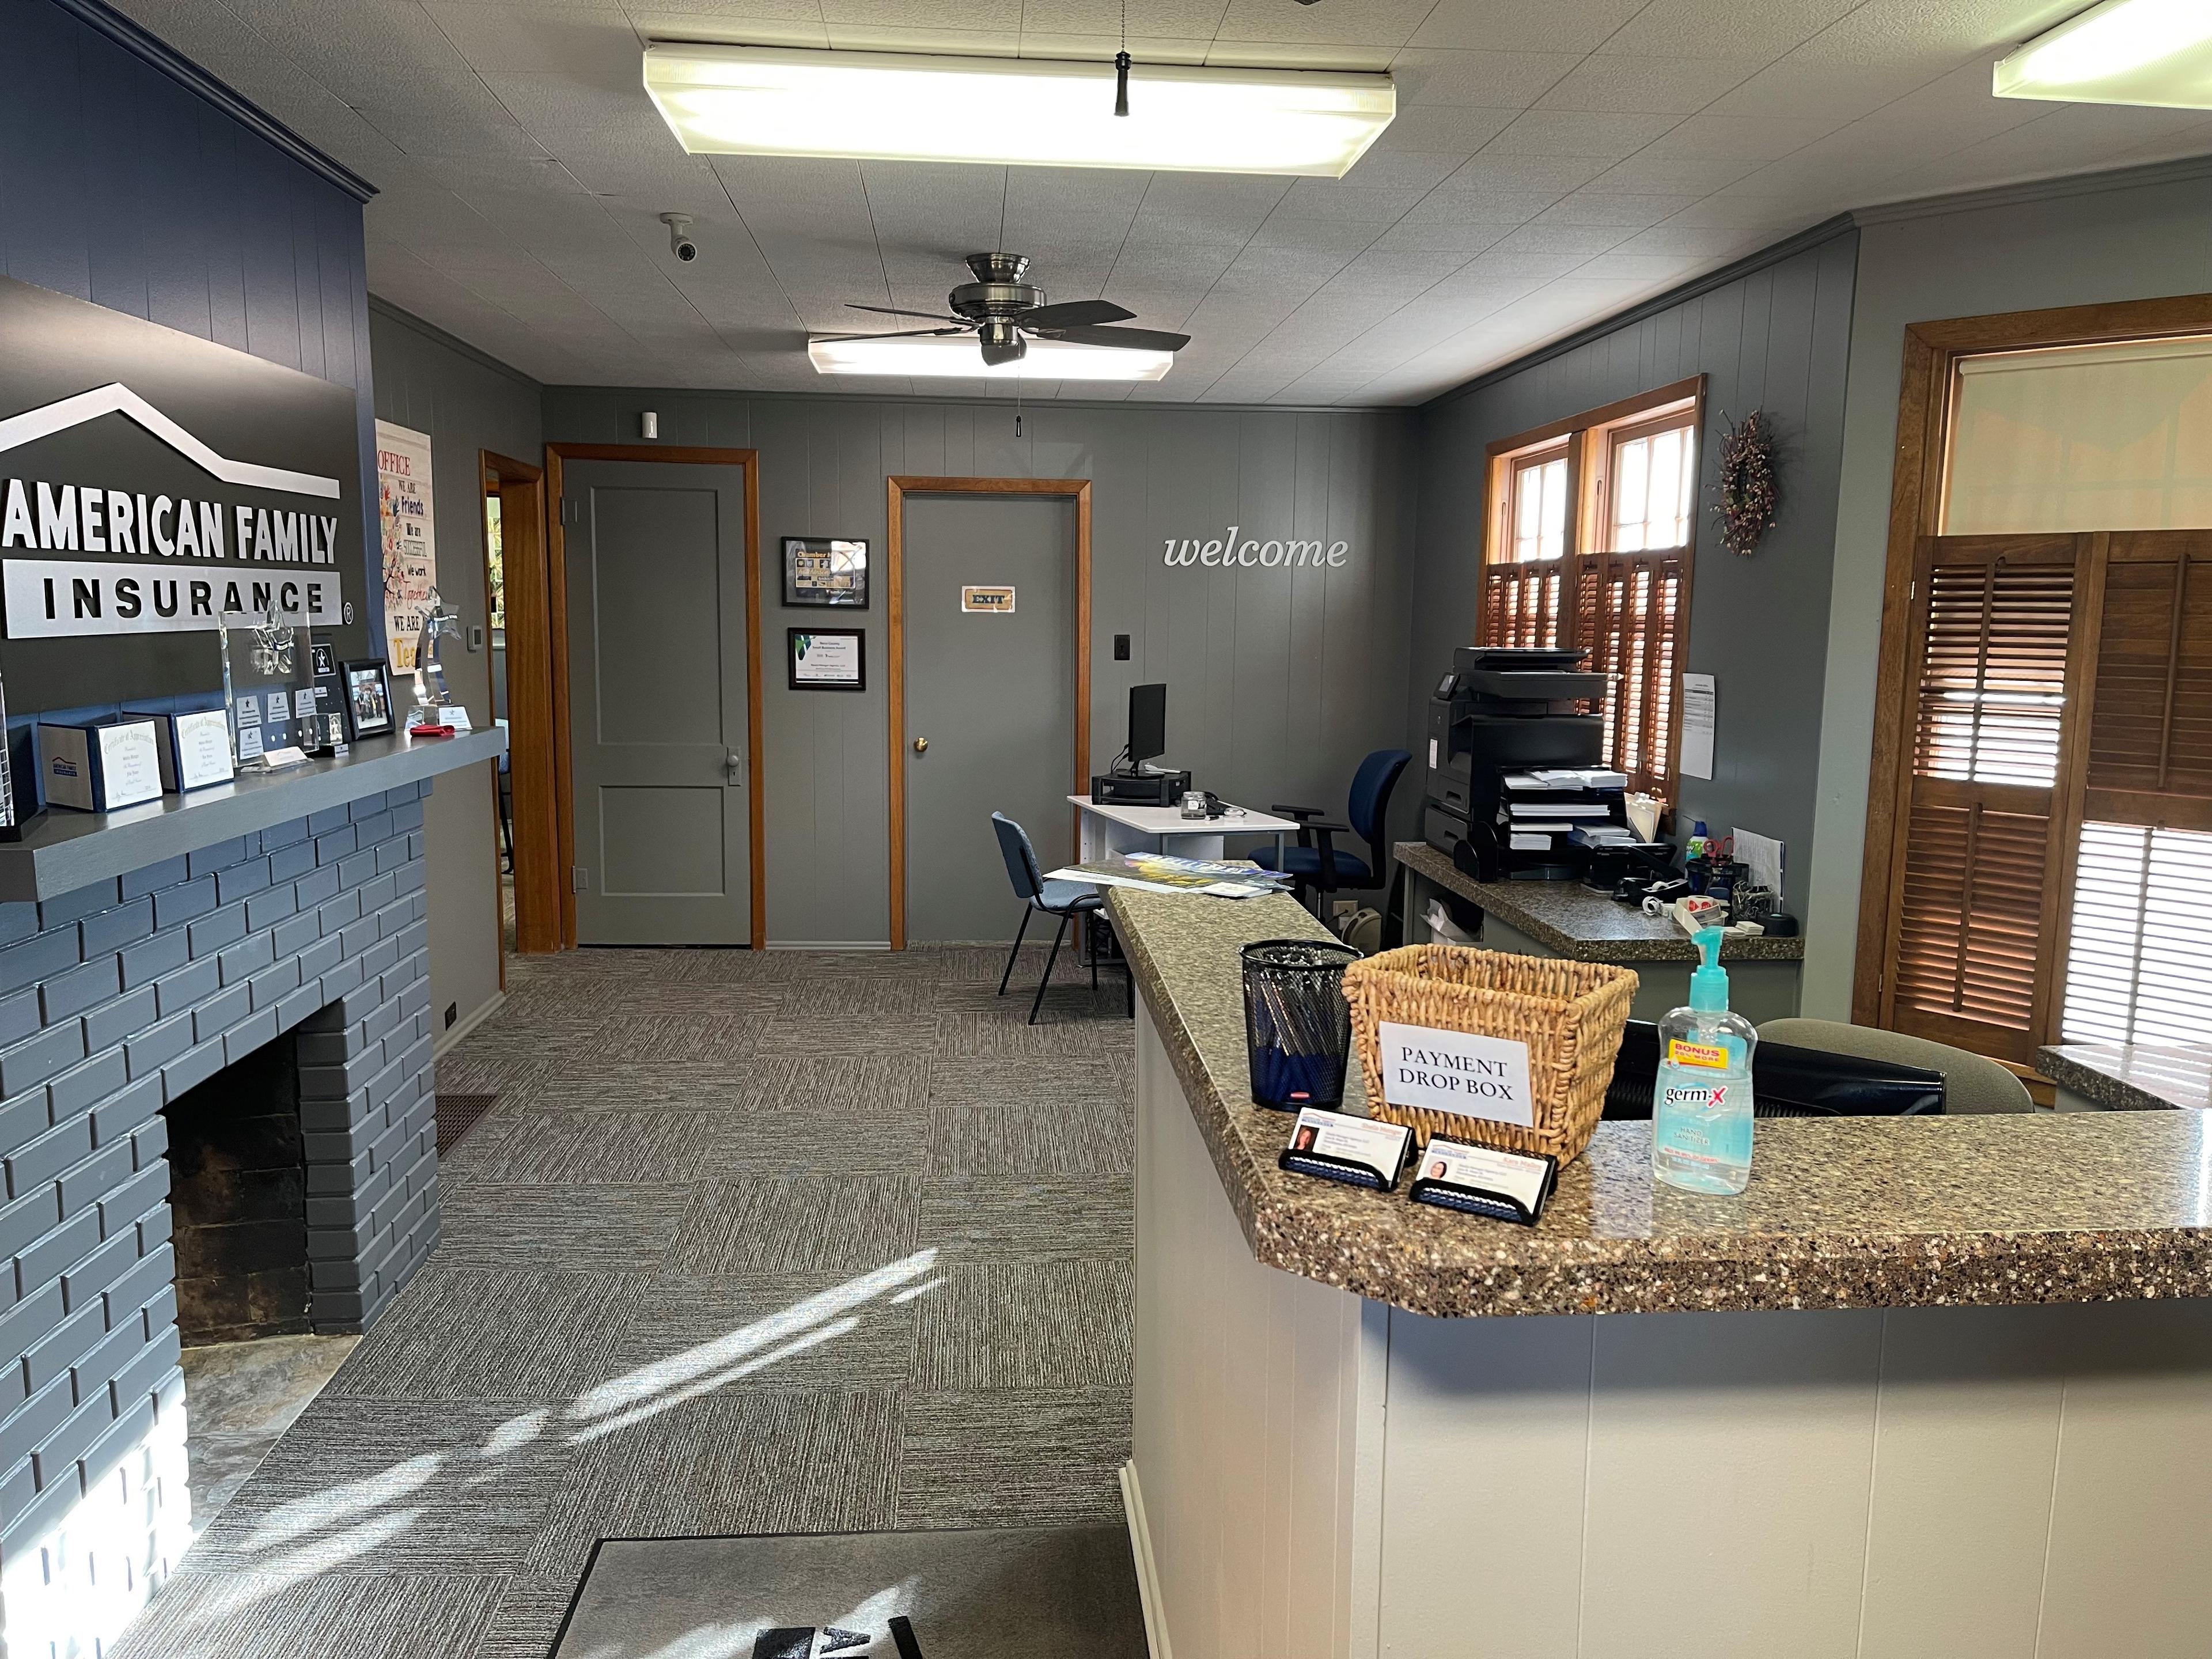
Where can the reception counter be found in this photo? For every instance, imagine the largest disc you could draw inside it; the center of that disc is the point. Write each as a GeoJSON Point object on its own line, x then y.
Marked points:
{"type": "Point", "coordinates": [1929, 1387]}
{"type": "Point", "coordinates": [1566, 919]}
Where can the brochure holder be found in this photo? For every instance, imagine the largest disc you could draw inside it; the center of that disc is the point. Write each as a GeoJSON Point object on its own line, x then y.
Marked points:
{"type": "Point", "coordinates": [1336, 1168]}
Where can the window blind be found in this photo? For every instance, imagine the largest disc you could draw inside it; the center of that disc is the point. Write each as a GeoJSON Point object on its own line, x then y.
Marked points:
{"type": "Point", "coordinates": [2140, 945]}
{"type": "Point", "coordinates": [2081, 437]}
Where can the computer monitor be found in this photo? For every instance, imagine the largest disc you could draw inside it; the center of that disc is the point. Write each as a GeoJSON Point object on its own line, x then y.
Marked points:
{"type": "Point", "coordinates": [1148, 724]}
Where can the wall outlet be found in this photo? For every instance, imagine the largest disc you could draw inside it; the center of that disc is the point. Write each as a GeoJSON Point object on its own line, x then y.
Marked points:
{"type": "Point", "coordinates": [452, 1013]}
{"type": "Point", "coordinates": [1120, 647]}
{"type": "Point", "coordinates": [1342, 908]}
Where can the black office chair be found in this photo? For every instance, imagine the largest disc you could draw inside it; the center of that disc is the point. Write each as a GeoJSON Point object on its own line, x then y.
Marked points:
{"type": "Point", "coordinates": [1317, 864]}
{"type": "Point", "coordinates": [1064, 899]}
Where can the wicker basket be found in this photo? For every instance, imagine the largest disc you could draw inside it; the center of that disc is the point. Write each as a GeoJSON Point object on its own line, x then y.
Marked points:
{"type": "Point", "coordinates": [1569, 1013]}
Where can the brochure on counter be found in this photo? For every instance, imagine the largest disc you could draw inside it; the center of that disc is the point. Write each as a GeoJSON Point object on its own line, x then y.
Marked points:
{"type": "Point", "coordinates": [1159, 873]}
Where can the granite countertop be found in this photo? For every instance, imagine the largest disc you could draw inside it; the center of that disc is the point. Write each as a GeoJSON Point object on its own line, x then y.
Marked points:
{"type": "Point", "coordinates": [1863, 1213]}
{"type": "Point", "coordinates": [2131, 1078]}
{"type": "Point", "coordinates": [1584, 924]}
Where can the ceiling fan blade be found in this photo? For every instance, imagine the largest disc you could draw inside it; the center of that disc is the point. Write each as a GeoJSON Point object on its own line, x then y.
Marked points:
{"type": "Point", "coordinates": [1072, 314]}
{"type": "Point", "coordinates": [1128, 339]}
{"type": "Point", "coordinates": [1007, 351]}
{"type": "Point", "coordinates": [897, 311]}
{"type": "Point", "coordinates": [903, 334]}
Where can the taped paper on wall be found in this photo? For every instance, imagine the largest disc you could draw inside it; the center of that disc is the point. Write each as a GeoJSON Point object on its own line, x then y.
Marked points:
{"type": "Point", "coordinates": [1698, 701]}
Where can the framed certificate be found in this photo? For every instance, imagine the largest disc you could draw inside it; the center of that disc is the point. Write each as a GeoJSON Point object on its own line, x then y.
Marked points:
{"type": "Point", "coordinates": [826, 570]}
{"type": "Point", "coordinates": [827, 658]}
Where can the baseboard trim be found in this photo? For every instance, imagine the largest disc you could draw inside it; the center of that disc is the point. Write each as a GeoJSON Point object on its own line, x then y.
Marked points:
{"type": "Point", "coordinates": [828, 944]}
{"type": "Point", "coordinates": [1148, 1579]}
{"type": "Point", "coordinates": [446, 1039]}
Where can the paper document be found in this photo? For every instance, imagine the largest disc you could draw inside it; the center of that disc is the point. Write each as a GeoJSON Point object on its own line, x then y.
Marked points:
{"type": "Point", "coordinates": [1523, 841]}
{"type": "Point", "coordinates": [1763, 854]}
{"type": "Point", "coordinates": [1698, 700]}
{"type": "Point", "coordinates": [1559, 809]}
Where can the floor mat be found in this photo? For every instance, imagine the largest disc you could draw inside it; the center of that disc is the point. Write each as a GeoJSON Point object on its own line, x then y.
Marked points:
{"type": "Point", "coordinates": [998, 1592]}
{"type": "Point", "coordinates": [458, 1115]}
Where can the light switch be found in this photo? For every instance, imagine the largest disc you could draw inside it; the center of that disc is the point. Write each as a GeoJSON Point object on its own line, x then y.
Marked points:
{"type": "Point", "coordinates": [1120, 647]}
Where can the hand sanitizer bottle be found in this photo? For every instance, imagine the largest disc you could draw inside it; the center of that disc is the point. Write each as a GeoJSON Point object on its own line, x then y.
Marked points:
{"type": "Point", "coordinates": [1701, 1111]}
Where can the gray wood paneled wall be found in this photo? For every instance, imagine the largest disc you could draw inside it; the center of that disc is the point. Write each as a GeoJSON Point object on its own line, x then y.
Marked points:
{"type": "Point", "coordinates": [1776, 338]}
{"type": "Point", "coordinates": [1280, 680]}
{"type": "Point", "coordinates": [467, 402]}
{"type": "Point", "coordinates": [122, 186]}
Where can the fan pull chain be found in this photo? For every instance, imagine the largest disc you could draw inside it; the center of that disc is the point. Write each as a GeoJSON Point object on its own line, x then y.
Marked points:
{"type": "Point", "coordinates": [1122, 66]}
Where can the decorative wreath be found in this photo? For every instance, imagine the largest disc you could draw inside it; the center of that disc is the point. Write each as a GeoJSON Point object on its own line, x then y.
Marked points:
{"type": "Point", "coordinates": [1749, 498]}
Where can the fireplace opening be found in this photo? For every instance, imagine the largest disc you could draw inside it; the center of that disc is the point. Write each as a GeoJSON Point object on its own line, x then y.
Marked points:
{"type": "Point", "coordinates": [238, 1196]}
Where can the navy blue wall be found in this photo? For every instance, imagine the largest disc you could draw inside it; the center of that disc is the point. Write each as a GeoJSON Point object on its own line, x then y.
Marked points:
{"type": "Point", "coordinates": [122, 185]}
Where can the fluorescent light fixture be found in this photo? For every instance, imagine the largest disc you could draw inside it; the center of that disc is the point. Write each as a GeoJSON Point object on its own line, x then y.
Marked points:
{"type": "Point", "coordinates": [2157, 53]}
{"type": "Point", "coordinates": [768, 100]}
{"type": "Point", "coordinates": [957, 355]}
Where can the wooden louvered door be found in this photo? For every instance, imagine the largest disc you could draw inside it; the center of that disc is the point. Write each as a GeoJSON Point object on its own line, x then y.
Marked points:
{"type": "Point", "coordinates": [1992, 726]}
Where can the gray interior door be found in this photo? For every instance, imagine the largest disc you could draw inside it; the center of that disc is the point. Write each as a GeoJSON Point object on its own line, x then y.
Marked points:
{"type": "Point", "coordinates": [993, 698]}
{"type": "Point", "coordinates": [656, 573]}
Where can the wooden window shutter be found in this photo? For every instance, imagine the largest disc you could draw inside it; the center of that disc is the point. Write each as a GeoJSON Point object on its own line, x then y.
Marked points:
{"type": "Point", "coordinates": [1520, 603]}
{"type": "Point", "coordinates": [1997, 670]}
{"type": "Point", "coordinates": [1642, 604]}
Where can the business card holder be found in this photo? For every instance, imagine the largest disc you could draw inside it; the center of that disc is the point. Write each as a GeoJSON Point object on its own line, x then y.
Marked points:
{"type": "Point", "coordinates": [1470, 1200]}
{"type": "Point", "coordinates": [1328, 1168]}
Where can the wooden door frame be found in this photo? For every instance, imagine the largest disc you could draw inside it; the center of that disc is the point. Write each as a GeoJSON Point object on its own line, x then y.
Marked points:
{"type": "Point", "coordinates": [529, 701]}
{"type": "Point", "coordinates": [1925, 398]}
{"type": "Point", "coordinates": [897, 487]}
{"type": "Point", "coordinates": [557, 455]}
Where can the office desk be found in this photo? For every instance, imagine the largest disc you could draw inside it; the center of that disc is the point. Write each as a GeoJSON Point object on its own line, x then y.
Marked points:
{"type": "Point", "coordinates": [1152, 829]}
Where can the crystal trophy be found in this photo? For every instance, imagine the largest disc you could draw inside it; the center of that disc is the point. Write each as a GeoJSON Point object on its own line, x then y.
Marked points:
{"type": "Point", "coordinates": [13, 821]}
{"type": "Point", "coordinates": [268, 688]}
{"type": "Point", "coordinates": [431, 697]}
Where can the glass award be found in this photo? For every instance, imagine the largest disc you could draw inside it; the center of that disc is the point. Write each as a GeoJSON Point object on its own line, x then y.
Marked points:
{"type": "Point", "coordinates": [268, 688]}
{"type": "Point", "coordinates": [433, 704]}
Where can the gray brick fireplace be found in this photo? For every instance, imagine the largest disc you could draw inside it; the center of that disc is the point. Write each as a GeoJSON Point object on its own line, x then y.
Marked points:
{"type": "Point", "coordinates": [182, 1015]}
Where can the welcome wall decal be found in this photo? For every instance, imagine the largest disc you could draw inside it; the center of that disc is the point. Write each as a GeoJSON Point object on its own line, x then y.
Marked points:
{"type": "Point", "coordinates": [1227, 552]}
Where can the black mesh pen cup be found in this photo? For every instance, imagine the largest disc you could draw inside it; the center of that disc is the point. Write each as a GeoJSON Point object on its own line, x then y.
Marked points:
{"type": "Point", "coordinates": [1296, 1023]}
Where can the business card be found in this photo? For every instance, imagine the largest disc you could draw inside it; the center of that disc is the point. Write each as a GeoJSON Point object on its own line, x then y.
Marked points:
{"type": "Point", "coordinates": [1373, 1145]}
{"type": "Point", "coordinates": [1487, 1169]}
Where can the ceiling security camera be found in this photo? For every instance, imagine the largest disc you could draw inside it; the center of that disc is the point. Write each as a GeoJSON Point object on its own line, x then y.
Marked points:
{"type": "Point", "coordinates": [679, 236]}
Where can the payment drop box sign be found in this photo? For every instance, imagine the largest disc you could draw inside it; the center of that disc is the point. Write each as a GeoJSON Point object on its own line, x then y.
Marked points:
{"type": "Point", "coordinates": [1461, 1072]}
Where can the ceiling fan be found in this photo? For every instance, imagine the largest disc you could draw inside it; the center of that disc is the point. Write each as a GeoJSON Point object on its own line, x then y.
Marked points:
{"type": "Point", "coordinates": [1003, 312]}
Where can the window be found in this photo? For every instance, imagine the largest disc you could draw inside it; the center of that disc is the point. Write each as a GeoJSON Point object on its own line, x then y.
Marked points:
{"type": "Point", "coordinates": [1589, 546]}
{"type": "Point", "coordinates": [1540, 508]}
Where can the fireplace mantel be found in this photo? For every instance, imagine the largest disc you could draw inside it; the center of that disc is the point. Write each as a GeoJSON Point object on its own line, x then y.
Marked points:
{"type": "Point", "coordinates": [71, 850]}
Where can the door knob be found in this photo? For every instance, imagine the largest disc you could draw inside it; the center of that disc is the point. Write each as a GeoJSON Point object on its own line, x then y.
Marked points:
{"type": "Point", "coordinates": [921, 745]}
{"type": "Point", "coordinates": [733, 768]}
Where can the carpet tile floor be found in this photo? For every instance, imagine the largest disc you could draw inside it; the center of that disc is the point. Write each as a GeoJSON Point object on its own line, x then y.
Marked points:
{"type": "Point", "coordinates": [790, 1241]}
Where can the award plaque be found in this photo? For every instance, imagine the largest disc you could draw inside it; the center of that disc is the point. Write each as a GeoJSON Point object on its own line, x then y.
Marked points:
{"type": "Point", "coordinates": [268, 686]}
{"type": "Point", "coordinates": [826, 570]}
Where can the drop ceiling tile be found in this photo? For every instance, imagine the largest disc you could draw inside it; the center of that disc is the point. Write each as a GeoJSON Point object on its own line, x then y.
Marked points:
{"type": "Point", "coordinates": [1712, 241]}
{"type": "Point", "coordinates": [1723, 27]}
{"type": "Point", "coordinates": [1592, 207]}
{"type": "Point", "coordinates": [1497, 170]}
{"type": "Point", "coordinates": [1672, 175]}
{"type": "Point", "coordinates": [1005, 42]}
{"type": "Point", "coordinates": [1197, 19]}
{"type": "Point", "coordinates": [584, 41]}
{"type": "Point", "coordinates": [996, 17]}
{"type": "Point", "coordinates": [1457, 203]}
{"type": "Point", "coordinates": [1646, 267]}
{"type": "Point", "coordinates": [1400, 170]}
{"type": "Point", "coordinates": [1518, 26]}
{"type": "Point", "coordinates": [1754, 139]}
{"type": "Point", "coordinates": [1561, 133]}
{"type": "Point", "coordinates": [1339, 204]}
{"type": "Point", "coordinates": [1659, 86]}
{"type": "Point", "coordinates": [1464, 237]}
{"type": "Point", "coordinates": [797, 24]}
{"type": "Point", "coordinates": [1538, 237]}
{"type": "Point", "coordinates": [1803, 87]}
{"type": "Point", "coordinates": [1371, 23]}
{"type": "Point", "coordinates": [1347, 237]}
{"type": "Point", "coordinates": [1454, 130]}
{"type": "Point", "coordinates": [1911, 31]}
{"type": "Point", "coordinates": [1487, 80]}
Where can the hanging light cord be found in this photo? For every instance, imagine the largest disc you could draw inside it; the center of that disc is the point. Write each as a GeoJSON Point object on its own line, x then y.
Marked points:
{"type": "Point", "coordinates": [1122, 66]}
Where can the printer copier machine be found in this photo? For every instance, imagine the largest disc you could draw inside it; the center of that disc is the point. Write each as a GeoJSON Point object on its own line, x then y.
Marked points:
{"type": "Point", "coordinates": [1516, 763]}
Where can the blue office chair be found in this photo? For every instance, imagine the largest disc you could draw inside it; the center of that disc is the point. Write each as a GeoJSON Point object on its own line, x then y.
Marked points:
{"type": "Point", "coordinates": [1317, 864]}
{"type": "Point", "coordinates": [1064, 899]}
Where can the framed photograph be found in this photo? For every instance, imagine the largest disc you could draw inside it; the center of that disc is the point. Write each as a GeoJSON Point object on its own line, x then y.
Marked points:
{"type": "Point", "coordinates": [368, 697]}
{"type": "Point", "coordinates": [827, 658]}
{"type": "Point", "coordinates": [826, 570]}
